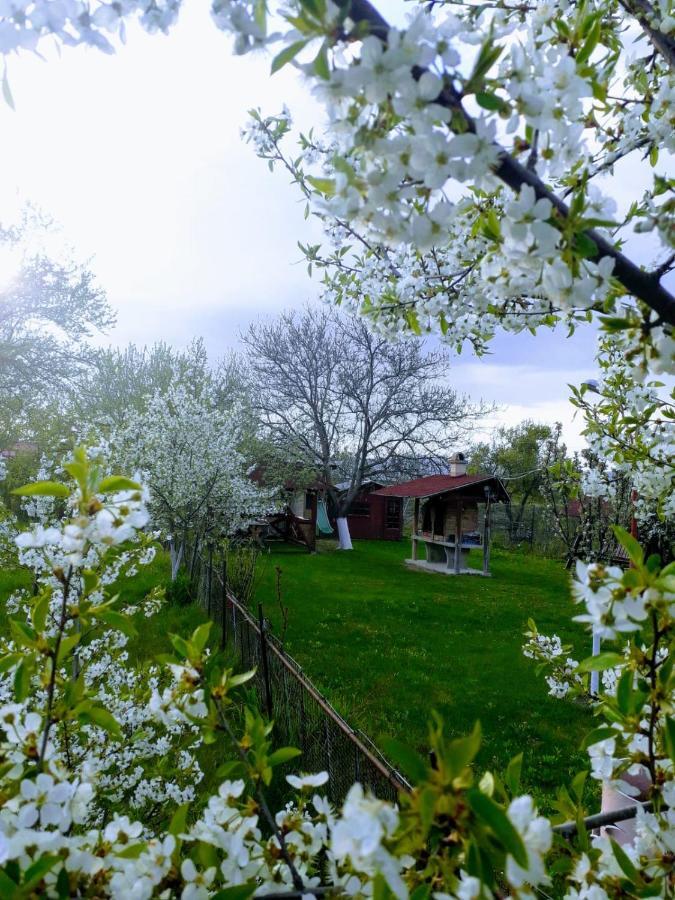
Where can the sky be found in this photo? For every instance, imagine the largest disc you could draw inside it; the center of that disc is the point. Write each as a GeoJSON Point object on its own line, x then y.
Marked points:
{"type": "Point", "coordinates": [138, 156]}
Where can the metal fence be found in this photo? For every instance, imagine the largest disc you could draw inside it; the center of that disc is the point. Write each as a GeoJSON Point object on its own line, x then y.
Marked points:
{"type": "Point", "coordinates": [303, 717]}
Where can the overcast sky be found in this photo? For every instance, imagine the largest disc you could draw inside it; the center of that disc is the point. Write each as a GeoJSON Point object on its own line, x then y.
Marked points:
{"type": "Point", "coordinates": [138, 156]}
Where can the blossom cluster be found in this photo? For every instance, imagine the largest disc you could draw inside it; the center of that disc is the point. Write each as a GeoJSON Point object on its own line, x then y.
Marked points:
{"type": "Point", "coordinates": [26, 25]}
{"type": "Point", "coordinates": [562, 676]}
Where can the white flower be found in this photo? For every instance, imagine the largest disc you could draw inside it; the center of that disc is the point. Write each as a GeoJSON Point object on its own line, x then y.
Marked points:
{"type": "Point", "coordinates": [537, 837]}
{"type": "Point", "coordinates": [196, 882]}
{"type": "Point", "coordinates": [301, 782]}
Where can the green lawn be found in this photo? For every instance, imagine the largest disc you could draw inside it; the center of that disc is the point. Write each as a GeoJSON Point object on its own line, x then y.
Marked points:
{"type": "Point", "coordinates": [153, 633]}
{"type": "Point", "coordinates": [387, 645]}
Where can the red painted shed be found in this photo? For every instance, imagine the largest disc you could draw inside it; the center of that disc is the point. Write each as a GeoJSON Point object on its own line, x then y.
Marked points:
{"type": "Point", "coordinates": [374, 517]}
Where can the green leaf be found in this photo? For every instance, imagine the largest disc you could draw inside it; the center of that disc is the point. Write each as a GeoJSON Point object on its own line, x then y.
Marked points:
{"type": "Point", "coordinates": [496, 819]}
{"type": "Point", "coordinates": [101, 717]}
{"type": "Point", "coordinates": [282, 755]}
{"type": "Point", "coordinates": [585, 246]}
{"type": "Point", "coordinates": [40, 610]}
{"type": "Point", "coordinates": [630, 545]}
{"type": "Point", "coordinates": [180, 645]}
{"type": "Point", "coordinates": [234, 768]}
{"type": "Point", "coordinates": [287, 54]}
{"type": "Point", "coordinates": [35, 873]}
{"type": "Point", "coordinates": [427, 807]}
{"type": "Point", "coordinates": [236, 892]}
{"type": "Point", "coordinates": [381, 890]}
{"type": "Point", "coordinates": [133, 851]}
{"type": "Point", "coordinates": [114, 483]}
{"type": "Point", "coordinates": [21, 681]}
{"type": "Point", "coordinates": [8, 662]}
{"type": "Point", "coordinates": [322, 185]}
{"type": "Point", "coordinates": [200, 636]}
{"type": "Point", "coordinates": [68, 644]}
{"type": "Point", "coordinates": [598, 734]}
{"type": "Point", "coordinates": [178, 822]}
{"type": "Point", "coordinates": [459, 753]}
{"type": "Point", "coordinates": [321, 67]}
{"type": "Point", "coordinates": [590, 43]}
{"type": "Point", "coordinates": [8, 888]}
{"type": "Point", "coordinates": [669, 737]}
{"type": "Point", "coordinates": [22, 633]}
{"type": "Point", "coordinates": [489, 101]}
{"type": "Point", "coordinates": [43, 489]}
{"type": "Point", "coordinates": [408, 759]}
{"type": "Point", "coordinates": [624, 689]}
{"type": "Point", "coordinates": [625, 863]}
{"type": "Point", "coordinates": [602, 661]}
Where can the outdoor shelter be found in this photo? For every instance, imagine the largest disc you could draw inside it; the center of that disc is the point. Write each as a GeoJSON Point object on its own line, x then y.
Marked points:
{"type": "Point", "coordinates": [447, 518]}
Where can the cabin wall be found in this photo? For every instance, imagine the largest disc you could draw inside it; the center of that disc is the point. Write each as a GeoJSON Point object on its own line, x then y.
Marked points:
{"type": "Point", "coordinates": [376, 518]}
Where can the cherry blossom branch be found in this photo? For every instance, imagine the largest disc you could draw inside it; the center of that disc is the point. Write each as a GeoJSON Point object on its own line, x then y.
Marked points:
{"type": "Point", "coordinates": [641, 284]}
{"type": "Point", "coordinates": [644, 13]}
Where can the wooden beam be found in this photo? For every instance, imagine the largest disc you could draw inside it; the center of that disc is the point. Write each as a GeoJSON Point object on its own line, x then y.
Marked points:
{"type": "Point", "coordinates": [416, 522]}
{"type": "Point", "coordinates": [458, 535]}
{"type": "Point", "coordinates": [486, 535]}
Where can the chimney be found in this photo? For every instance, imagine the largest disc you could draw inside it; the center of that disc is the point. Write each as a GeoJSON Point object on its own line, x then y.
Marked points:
{"type": "Point", "coordinates": [458, 464]}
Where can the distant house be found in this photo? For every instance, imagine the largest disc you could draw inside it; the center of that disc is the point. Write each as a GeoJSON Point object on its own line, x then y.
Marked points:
{"type": "Point", "coordinates": [18, 448]}
{"type": "Point", "coordinates": [446, 521]}
{"type": "Point", "coordinates": [374, 517]}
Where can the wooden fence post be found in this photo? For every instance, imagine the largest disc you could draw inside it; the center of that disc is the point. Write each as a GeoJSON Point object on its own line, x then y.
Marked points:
{"type": "Point", "coordinates": [209, 579]}
{"type": "Point", "coordinates": [265, 662]}
{"type": "Point", "coordinates": [223, 611]}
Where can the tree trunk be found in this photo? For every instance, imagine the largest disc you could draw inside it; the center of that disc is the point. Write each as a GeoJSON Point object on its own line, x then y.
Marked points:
{"type": "Point", "coordinates": [176, 555]}
{"type": "Point", "coordinates": [345, 541]}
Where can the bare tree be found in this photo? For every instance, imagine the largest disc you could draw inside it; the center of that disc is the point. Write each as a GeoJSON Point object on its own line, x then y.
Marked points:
{"type": "Point", "coordinates": [346, 402]}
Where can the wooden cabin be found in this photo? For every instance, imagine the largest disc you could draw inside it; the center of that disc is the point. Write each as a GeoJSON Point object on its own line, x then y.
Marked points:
{"type": "Point", "coordinates": [374, 517]}
{"type": "Point", "coordinates": [451, 517]}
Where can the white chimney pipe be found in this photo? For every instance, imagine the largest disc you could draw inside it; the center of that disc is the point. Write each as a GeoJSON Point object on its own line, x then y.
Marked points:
{"type": "Point", "coordinates": [458, 464]}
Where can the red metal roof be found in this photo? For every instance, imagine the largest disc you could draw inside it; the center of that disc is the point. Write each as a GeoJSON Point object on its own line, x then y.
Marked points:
{"type": "Point", "coordinates": [438, 484]}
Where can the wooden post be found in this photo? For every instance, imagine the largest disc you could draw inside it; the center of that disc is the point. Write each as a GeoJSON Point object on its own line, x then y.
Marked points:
{"type": "Point", "coordinates": [209, 580]}
{"type": "Point", "coordinates": [265, 662]}
{"type": "Point", "coordinates": [223, 611]}
{"type": "Point", "coordinates": [416, 523]}
{"type": "Point", "coordinates": [486, 534]}
{"type": "Point", "coordinates": [458, 535]}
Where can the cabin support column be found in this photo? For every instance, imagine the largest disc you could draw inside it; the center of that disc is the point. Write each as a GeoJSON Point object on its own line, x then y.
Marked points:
{"type": "Point", "coordinates": [458, 536]}
{"type": "Point", "coordinates": [486, 536]}
{"type": "Point", "coordinates": [415, 530]}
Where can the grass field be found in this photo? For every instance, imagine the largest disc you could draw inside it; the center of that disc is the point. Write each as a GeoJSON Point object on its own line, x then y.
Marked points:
{"type": "Point", "coordinates": [387, 645]}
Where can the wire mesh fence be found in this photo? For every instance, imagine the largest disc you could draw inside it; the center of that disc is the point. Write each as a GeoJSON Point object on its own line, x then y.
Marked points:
{"type": "Point", "coordinates": [303, 717]}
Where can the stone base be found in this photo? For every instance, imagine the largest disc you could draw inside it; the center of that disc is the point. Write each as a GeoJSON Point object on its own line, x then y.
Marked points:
{"type": "Point", "coordinates": [441, 568]}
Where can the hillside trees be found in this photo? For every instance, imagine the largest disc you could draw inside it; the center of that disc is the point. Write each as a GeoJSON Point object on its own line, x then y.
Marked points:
{"type": "Point", "coordinates": [50, 305]}
{"type": "Point", "coordinates": [342, 401]}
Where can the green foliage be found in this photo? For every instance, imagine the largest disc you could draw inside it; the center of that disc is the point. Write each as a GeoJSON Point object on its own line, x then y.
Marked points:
{"type": "Point", "coordinates": [179, 591]}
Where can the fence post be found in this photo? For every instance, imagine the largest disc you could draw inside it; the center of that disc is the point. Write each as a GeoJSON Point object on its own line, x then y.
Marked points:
{"type": "Point", "coordinates": [265, 662]}
{"type": "Point", "coordinates": [209, 579]}
{"type": "Point", "coordinates": [223, 611]}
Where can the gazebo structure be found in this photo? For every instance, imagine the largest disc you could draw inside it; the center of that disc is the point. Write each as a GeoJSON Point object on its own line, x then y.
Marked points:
{"type": "Point", "coordinates": [446, 521]}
